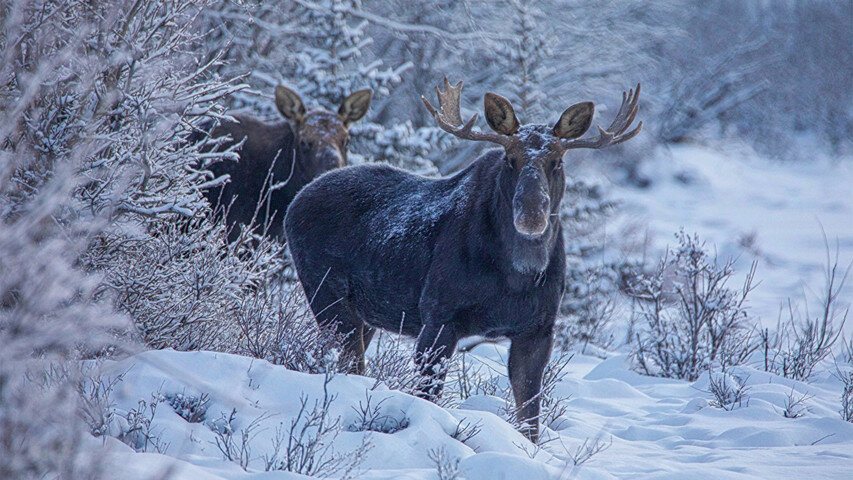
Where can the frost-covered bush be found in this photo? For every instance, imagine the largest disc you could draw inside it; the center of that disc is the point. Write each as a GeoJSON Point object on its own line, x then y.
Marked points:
{"type": "Point", "coordinates": [192, 408]}
{"type": "Point", "coordinates": [51, 313]}
{"type": "Point", "coordinates": [690, 318]}
{"type": "Point", "coordinates": [370, 416]}
{"type": "Point", "coordinates": [446, 466]}
{"type": "Point", "coordinates": [306, 445]}
{"type": "Point", "coordinates": [123, 93]}
{"type": "Point", "coordinates": [593, 279]}
{"type": "Point", "coordinates": [728, 391]}
{"type": "Point", "coordinates": [273, 322]}
{"type": "Point", "coordinates": [803, 339]}
{"type": "Point", "coordinates": [393, 363]}
{"type": "Point", "coordinates": [844, 373]}
{"type": "Point", "coordinates": [324, 50]}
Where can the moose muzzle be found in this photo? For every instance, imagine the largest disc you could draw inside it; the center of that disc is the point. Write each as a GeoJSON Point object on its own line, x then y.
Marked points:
{"type": "Point", "coordinates": [531, 203]}
{"type": "Point", "coordinates": [329, 158]}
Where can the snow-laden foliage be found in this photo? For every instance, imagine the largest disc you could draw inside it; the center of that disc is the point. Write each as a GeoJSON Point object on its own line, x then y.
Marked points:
{"type": "Point", "coordinates": [51, 312]}
{"type": "Point", "coordinates": [803, 339]}
{"type": "Point", "coordinates": [691, 319]}
{"type": "Point", "coordinates": [525, 54]}
{"type": "Point", "coordinates": [593, 276]}
{"type": "Point", "coordinates": [321, 49]}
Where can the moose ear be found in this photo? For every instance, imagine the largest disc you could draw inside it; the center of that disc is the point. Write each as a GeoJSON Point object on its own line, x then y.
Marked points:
{"type": "Point", "coordinates": [355, 106]}
{"type": "Point", "coordinates": [289, 104]}
{"type": "Point", "coordinates": [575, 121]}
{"type": "Point", "coordinates": [499, 114]}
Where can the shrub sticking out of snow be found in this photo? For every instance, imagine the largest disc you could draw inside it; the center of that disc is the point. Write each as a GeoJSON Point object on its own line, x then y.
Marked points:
{"type": "Point", "coordinates": [236, 450]}
{"type": "Point", "coordinates": [844, 373]}
{"type": "Point", "coordinates": [729, 392]}
{"type": "Point", "coordinates": [691, 319]}
{"type": "Point", "coordinates": [446, 466]}
{"type": "Point", "coordinates": [137, 430]}
{"type": "Point", "coordinates": [802, 340]}
{"type": "Point", "coordinates": [307, 445]}
{"type": "Point", "coordinates": [795, 404]}
{"type": "Point", "coordinates": [370, 416]}
{"type": "Point", "coordinates": [192, 408]}
{"type": "Point", "coordinates": [393, 363]}
{"type": "Point", "coordinates": [589, 448]}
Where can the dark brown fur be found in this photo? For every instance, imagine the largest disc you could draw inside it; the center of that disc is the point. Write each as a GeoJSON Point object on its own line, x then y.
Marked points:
{"type": "Point", "coordinates": [277, 159]}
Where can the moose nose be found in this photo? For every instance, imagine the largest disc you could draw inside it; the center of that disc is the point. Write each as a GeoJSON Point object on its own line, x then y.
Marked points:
{"type": "Point", "coordinates": [531, 214]}
{"type": "Point", "coordinates": [531, 225]}
{"type": "Point", "coordinates": [330, 157]}
{"type": "Point", "coordinates": [531, 203]}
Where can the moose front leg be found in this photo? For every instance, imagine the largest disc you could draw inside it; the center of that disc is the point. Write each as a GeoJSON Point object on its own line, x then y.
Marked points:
{"type": "Point", "coordinates": [435, 345]}
{"type": "Point", "coordinates": [528, 356]}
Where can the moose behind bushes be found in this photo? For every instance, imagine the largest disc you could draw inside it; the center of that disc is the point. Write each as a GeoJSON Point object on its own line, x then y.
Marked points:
{"type": "Point", "coordinates": [477, 253]}
{"type": "Point", "coordinates": [278, 159]}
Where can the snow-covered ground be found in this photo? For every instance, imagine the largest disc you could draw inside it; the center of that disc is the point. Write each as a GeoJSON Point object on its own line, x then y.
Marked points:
{"type": "Point", "coordinates": [652, 427]}
{"type": "Point", "coordinates": [648, 427]}
{"type": "Point", "coordinates": [752, 208]}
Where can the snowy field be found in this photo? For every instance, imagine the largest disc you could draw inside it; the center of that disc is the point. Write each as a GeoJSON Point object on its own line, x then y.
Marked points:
{"type": "Point", "coordinates": [616, 423]}
{"type": "Point", "coordinates": [751, 208]}
{"type": "Point", "coordinates": [649, 427]}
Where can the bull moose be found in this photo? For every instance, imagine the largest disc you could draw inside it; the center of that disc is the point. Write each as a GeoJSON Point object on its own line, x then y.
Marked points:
{"type": "Point", "coordinates": [477, 253]}
{"type": "Point", "coordinates": [281, 156]}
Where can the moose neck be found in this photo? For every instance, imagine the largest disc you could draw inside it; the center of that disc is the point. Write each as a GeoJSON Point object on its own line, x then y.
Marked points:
{"type": "Point", "coordinates": [522, 254]}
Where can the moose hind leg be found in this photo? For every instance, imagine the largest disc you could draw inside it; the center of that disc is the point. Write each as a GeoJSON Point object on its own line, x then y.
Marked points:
{"type": "Point", "coordinates": [354, 346]}
{"type": "Point", "coordinates": [331, 309]}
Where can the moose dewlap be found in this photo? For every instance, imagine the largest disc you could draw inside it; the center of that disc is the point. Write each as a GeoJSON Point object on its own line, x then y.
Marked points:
{"type": "Point", "coordinates": [477, 253]}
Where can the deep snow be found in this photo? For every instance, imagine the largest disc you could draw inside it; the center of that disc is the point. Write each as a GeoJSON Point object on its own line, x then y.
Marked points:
{"type": "Point", "coordinates": [657, 428]}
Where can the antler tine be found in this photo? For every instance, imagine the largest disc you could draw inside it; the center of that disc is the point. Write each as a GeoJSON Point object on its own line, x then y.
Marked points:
{"type": "Point", "coordinates": [448, 116]}
{"type": "Point", "coordinates": [627, 111]}
{"type": "Point", "coordinates": [615, 134]}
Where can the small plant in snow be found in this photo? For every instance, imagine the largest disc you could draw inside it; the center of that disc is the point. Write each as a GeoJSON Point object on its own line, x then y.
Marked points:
{"type": "Point", "coordinates": [306, 446]}
{"type": "Point", "coordinates": [588, 449]}
{"type": "Point", "coordinates": [236, 450]}
{"type": "Point", "coordinates": [795, 405]}
{"type": "Point", "coordinates": [690, 318]}
{"type": "Point", "coordinates": [844, 373]}
{"type": "Point", "coordinates": [802, 340]}
{"type": "Point", "coordinates": [554, 407]}
{"type": "Point", "coordinates": [466, 380]}
{"type": "Point", "coordinates": [446, 467]}
{"type": "Point", "coordinates": [96, 406]}
{"type": "Point", "coordinates": [138, 433]}
{"type": "Point", "coordinates": [847, 396]}
{"type": "Point", "coordinates": [466, 430]}
{"type": "Point", "coordinates": [274, 323]}
{"type": "Point", "coordinates": [393, 364]}
{"type": "Point", "coordinates": [729, 392]}
{"type": "Point", "coordinates": [370, 417]}
{"type": "Point", "coordinates": [192, 408]}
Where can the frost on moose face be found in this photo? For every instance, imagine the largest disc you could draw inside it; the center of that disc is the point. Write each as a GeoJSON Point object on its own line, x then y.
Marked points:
{"type": "Point", "coordinates": [535, 161]}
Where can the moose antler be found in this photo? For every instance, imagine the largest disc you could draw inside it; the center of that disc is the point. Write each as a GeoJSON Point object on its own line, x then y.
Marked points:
{"type": "Point", "coordinates": [615, 133]}
{"type": "Point", "coordinates": [449, 118]}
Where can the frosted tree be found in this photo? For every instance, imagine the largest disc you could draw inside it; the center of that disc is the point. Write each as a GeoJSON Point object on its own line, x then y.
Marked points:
{"type": "Point", "coordinates": [323, 50]}
{"type": "Point", "coordinates": [526, 54]}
